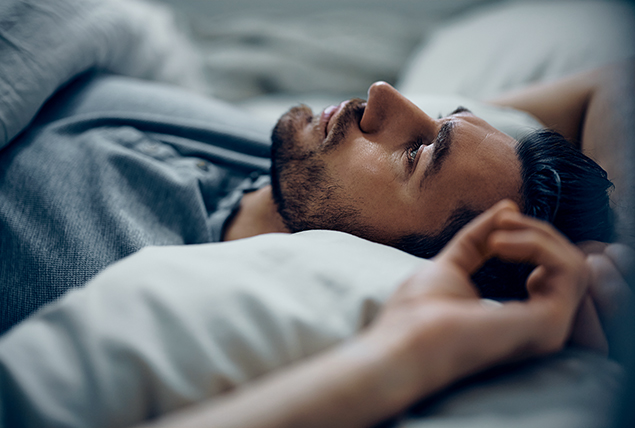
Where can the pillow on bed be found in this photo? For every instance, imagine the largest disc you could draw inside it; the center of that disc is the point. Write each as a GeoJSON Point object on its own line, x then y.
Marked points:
{"type": "Point", "coordinates": [169, 326]}
{"type": "Point", "coordinates": [505, 47]}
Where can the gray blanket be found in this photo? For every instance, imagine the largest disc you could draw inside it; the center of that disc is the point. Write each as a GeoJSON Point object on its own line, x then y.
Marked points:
{"type": "Point", "coordinates": [112, 165]}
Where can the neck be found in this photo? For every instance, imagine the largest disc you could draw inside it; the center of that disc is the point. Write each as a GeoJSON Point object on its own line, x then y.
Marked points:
{"type": "Point", "coordinates": [257, 214]}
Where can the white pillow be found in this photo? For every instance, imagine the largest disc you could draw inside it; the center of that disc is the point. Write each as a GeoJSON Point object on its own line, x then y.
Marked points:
{"type": "Point", "coordinates": [509, 46]}
{"type": "Point", "coordinates": [170, 326]}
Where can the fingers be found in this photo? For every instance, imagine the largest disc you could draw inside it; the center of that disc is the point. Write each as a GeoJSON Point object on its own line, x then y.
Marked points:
{"type": "Point", "coordinates": [621, 256]}
{"type": "Point", "coordinates": [478, 335]}
{"type": "Point", "coordinates": [468, 249]}
{"type": "Point", "coordinates": [536, 245]}
{"type": "Point", "coordinates": [561, 268]}
{"type": "Point", "coordinates": [561, 273]}
{"type": "Point", "coordinates": [449, 276]}
{"type": "Point", "coordinates": [611, 294]}
{"type": "Point", "coordinates": [611, 268]}
{"type": "Point", "coordinates": [502, 231]}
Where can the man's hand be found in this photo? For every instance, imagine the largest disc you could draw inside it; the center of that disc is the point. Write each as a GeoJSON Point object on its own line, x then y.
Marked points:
{"type": "Point", "coordinates": [441, 331]}
{"type": "Point", "coordinates": [595, 110]}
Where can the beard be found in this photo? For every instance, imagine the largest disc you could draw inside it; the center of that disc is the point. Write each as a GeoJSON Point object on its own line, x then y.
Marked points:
{"type": "Point", "coordinates": [306, 195]}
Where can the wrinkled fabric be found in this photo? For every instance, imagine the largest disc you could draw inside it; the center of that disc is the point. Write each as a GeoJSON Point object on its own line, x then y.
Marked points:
{"type": "Point", "coordinates": [171, 326]}
{"type": "Point", "coordinates": [111, 165]}
{"type": "Point", "coordinates": [45, 44]}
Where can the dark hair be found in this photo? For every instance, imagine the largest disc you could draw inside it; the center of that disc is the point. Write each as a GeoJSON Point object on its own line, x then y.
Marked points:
{"type": "Point", "coordinates": [560, 185]}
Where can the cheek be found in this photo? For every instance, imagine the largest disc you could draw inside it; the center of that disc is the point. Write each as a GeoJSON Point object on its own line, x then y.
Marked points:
{"type": "Point", "coordinates": [359, 169]}
{"type": "Point", "coordinates": [368, 181]}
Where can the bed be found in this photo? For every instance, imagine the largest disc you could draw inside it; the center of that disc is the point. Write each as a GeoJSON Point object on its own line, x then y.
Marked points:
{"type": "Point", "coordinates": [171, 326]}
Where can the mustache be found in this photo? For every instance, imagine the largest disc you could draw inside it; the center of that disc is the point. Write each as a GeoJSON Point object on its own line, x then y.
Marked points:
{"type": "Point", "coordinates": [350, 114]}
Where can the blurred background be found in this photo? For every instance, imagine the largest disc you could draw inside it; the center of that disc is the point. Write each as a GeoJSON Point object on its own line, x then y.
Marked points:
{"type": "Point", "coordinates": [256, 47]}
{"type": "Point", "coordinates": [268, 54]}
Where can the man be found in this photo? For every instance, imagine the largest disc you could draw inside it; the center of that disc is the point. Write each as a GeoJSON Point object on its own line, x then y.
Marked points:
{"type": "Point", "coordinates": [350, 168]}
{"type": "Point", "coordinates": [386, 171]}
{"type": "Point", "coordinates": [160, 186]}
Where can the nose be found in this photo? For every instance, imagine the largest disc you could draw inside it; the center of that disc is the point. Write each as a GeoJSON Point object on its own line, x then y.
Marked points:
{"type": "Point", "coordinates": [389, 112]}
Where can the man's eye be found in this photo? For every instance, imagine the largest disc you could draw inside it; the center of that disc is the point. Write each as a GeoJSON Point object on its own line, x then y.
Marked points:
{"type": "Point", "coordinates": [412, 153]}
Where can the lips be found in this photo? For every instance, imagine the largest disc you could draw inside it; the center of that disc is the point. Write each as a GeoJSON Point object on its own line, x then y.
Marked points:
{"type": "Point", "coordinates": [328, 114]}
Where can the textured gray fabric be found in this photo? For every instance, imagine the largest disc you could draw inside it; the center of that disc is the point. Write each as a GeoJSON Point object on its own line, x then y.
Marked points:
{"type": "Point", "coordinates": [572, 389]}
{"type": "Point", "coordinates": [44, 44]}
{"type": "Point", "coordinates": [111, 165]}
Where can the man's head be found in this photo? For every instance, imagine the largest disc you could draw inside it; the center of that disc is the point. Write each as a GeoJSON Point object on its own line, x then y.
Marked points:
{"type": "Point", "coordinates": [386, 171]}
{"type": "Point", "coordinates": [392, 169]}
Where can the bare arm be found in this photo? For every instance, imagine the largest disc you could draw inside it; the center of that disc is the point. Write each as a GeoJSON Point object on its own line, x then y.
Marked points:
{"type": "Point", "coordinates": [560, 105]}
{"type": "Point", "coordinates": [596, 111]}
{"type": "Point", "coordinates": [434, 331]}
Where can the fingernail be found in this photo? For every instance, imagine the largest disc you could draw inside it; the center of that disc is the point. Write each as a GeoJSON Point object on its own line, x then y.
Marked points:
{"type": "Point", "coordinates": [508, 204]}
{"type": "Point", "coordinates": [490, 304]}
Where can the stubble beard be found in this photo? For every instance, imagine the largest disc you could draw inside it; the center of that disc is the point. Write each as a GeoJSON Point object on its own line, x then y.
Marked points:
{"type": "Point", "coordinates": [305, 194]}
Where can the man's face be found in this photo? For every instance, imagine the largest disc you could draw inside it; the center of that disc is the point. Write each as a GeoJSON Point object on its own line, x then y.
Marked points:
{"type": "Point", "coordinates": [398, 170]}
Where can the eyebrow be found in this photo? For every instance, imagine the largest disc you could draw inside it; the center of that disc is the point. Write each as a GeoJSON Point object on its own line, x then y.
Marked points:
{"type": "Point", "coordinates": [442, 144]}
